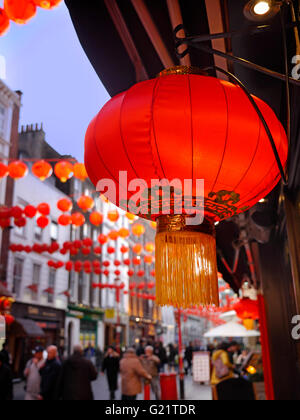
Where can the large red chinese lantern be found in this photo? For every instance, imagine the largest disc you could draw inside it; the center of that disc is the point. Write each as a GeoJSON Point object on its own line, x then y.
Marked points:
{"type": "Point", "coordinates": [4, 22]}
{"type": "Point", "coordinates": [20, 11]}
{"type": "Point", "coordinates": [184, 126]}
{"type": "Point", "coordinates": [42, 170]}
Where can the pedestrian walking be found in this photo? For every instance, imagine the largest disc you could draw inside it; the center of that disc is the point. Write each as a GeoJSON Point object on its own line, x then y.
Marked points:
{"type": "Point", "coordinates": [171, 355]}
{"type": "Point", "coordinates": [33, 377]}
{"type": "Point", "coordinates": [161, 353]}
{"type": "Point", "coordinates": [141, 349]}
{"type": "Point", "coordinates": [111, 366]}
{"type": "Point", "coordinates": [6, 386]}
{"type": "Point", "coordinates": [222, 367]}
{"type": "Point", "coordinates": [76, 377]}
{"type": "Point", "coordinates": [50, 374]}
{"type": "Point", "coordinates": [188, 357]}
{"type": "Point", "coordinates": [6, 355]}
{"type": "Point", "coordinates": [132, 373]}
{"type": "Point", "coordinates": [151, 364]}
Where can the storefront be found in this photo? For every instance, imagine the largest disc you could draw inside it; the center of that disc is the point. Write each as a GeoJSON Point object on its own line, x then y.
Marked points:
{"type": "Point", "coordinates": [34, 325]}
{"type": "Point", "coordinates": [115, 329]}
{"type": "Point", "coordinates": [84, 326]}
{"type": "Point", "coordinates": [144, 328]}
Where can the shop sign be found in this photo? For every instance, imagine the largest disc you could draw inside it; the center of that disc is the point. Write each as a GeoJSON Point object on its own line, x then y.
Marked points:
{"type": "Point", "coordinates": [110, 314]}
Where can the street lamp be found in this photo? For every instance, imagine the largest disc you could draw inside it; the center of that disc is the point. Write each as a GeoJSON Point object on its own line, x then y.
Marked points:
{"type": "Point", "coordinates": [261, 10]}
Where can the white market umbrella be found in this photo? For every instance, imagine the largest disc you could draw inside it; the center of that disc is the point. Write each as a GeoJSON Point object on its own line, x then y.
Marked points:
{"type": "Point", "coordinates": [229, 316]}
{"type": "Point", "coordinates": [231, 330]}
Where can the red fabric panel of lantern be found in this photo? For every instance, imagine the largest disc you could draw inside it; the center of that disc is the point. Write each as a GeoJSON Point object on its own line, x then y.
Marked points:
{"type": "Point", "coordinates": [247, 309]}
{"type": "Point", "coordinates": [209, 123]}
{"type": "Point", "coordinates": [4, 26]}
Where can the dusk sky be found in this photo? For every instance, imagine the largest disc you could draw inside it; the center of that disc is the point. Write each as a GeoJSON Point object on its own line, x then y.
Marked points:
{"type": "Point", "coordinates": [44, 60]}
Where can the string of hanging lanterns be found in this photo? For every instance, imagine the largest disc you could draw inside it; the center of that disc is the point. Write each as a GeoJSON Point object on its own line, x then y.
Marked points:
{"type": "Point", "coordinates": [22, 11]}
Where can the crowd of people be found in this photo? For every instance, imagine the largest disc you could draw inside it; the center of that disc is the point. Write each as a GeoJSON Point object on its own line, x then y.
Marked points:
{"type": "Point", "coordinates": [71, 379]}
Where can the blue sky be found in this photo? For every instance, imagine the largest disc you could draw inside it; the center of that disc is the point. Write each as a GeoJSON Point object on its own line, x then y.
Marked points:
{"type": "Point", "coordinates": [44, 60]}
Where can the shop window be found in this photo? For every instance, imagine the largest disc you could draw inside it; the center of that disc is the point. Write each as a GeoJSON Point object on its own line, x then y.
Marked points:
{"type": "Point", "coordinates": [18, 276]}
{"type": "Point", "coordinates": [80, 288]}
{"type": "Point", "coordinates": [72, 286]}
{"type": "Point", "coordinates": [54, 231]}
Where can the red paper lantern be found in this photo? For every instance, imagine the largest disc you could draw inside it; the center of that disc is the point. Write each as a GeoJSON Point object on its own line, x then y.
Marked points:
{"type": "Point", "coordinates": [4, 26]}
{"type": "Point", "coordinates": [247, 309]}
{"type": "Point", "coordinates": [5, 212]}
{"type": "Point", "coordinates": [111, 250]}
{"type": "Point", "coordinates": [65, 220]}
{"type": "Point", "coordinates": [130, 273]}
{"type": "Point", "coordinates": [78, 266]}
{"type": "Point", "coordinates": [85, 203]}
{"type": "Point", "coordinates": [136, 261]}
{"type": "Point", "coordinates": [17, 170]}
{"type": "Point", "coordinates": [16, 212]}
{"type": "Point", "coordinates": [20, 222]}
{"type": "Point", "coordinates": [86, 251]}
{"type": "Point", "coordinates": [3, 168]}
{"type": "Point", "coordinates": [9, 319]}
{"type": "Point", "coordinates": [117, 273]}
{"type": "Point", "coordinates": [87, 242]}
{"type": "Point", "coordinates": [131, 217]}
{"type": "Point", "coordinates": [63, 170]}
{"type": "Point", "coordinates": [43, 222]}
{"type": "Point", "coordinates": [102, 239]}
{"type": "Point", "coordinates": [141, 273]}
{"type": "Point", "coordinates": [64, 205]}
{"type": "Point", "coordinates": [187, 127]}
{"type": "Point", "coordinates": [113, 235]}
{"type": "Point", "coordinates": [20, 11]}
{"type": "Point", "coordinates": [47, 4]}
{"type": "Point", "coordinates": [96, 218]}
{"type": "Point", "coordinates": [138, 229]}
{"type": "Point", "coordinates": [80, 171]}
{"type": "Point", "coordinates": [148, 259]}
{"type": "Point", "coordinates": [127, 261]}
{"type": "Point", "coordinates": [30, 211]}
{"type": "Point", "coordinates": [4, 223]}
{"type": "Point", "coordinates": [124, 249]}
{"type": "Point", "coordinates": [98, 250]}
{"type": "Point", "coordinates": [151, 285]}
{"type": "Point", "coordinates": [78, 219]}
{"type": "Point", "coordinates": [42, 170]}
{"type": "Point", "coordinates": [137, 249]}
{"type": "Point", "coordinates": [43, 209]}
{"type": "Point", "coordinates": [124, 233]}
{"type": "Point", "coordinates": [150, 247]}
{"type": "Point", "coordinates": [113, 216]}
{"type": "Point", "coordinates": [106, 264]}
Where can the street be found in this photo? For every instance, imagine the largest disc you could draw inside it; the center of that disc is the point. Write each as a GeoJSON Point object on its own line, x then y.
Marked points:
{"type": "Point", "coordinates": [194, 392]}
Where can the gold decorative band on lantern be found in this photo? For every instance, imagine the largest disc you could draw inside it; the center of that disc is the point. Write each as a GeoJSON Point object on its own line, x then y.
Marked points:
{"type": "Point", "coordinates": [186, 263]}
{"type": "Point", "coordinates": [181, 70]}
{"type": "Point", "coordinates": [177, 223]}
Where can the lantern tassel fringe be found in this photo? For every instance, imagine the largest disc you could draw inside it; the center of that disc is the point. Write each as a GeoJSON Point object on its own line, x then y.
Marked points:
{"type": "Point", "coordinates": [186, 269]}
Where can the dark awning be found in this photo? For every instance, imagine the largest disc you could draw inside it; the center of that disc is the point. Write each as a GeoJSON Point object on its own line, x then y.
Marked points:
{"type": "Point", "coordinates": [28, 328]}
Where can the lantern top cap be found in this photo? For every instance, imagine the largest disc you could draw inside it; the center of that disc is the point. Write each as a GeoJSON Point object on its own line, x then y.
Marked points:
{"type": "Point", "coordinates": [182, 70]}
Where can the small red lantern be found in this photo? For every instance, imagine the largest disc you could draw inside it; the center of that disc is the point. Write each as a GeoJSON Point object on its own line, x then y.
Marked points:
{"type": "Point", "coordinates": [141, 273]}
{"type": "Point", "coordinates": [78, 219]}
{"type": "Point", "coordinates": [148, 259]}
{"type": "Point", "coordinates": [117, 273]}
{"type": "Point", "coordinates": [30, 211]}
{"type": "Point", "coordinates": [136, 261]}
{"type": "Point", "coordinates": [98, 250]}
{"type": "Point", "coordinates": [64, 205]}
{"type": "Point", "coordinates": [137, 249]}
{"type": "Point", "coordinates": [102, 239]}
{"type": "Point", "coordinates": [17, 170]}
{"type": "Point", "coordinates": [131, 217]}
{"type": "Point", "coordinates": [42, 170]}
{"type": "Point", "coordinates": [142, 286]}
{"type": "Point", "coordinates": [86, 251]}
{"type": "Point", "coordinates": [63, 170]}
{"type": "Point", "coordinates": [113, 235]}
{"type": "Point", "coordinates": [152, 273]}
{"type": "Point", "coordinates": [124, 233]}
{"type": "Point", "coordinates": [65, 220]}
{"type": "Point", "coordinates": [4, 26]}
{"type": "Point", "coordinates": [150, 247]}
{"type": "Point", "coordinates": [3, 168]}
{"type": "Point", "coordinates": [80, 171]}
{"type": "Point", "coordinates": [130, 273]}
{"type": "Point", "coordinates": [20, 222]}
{"type": "Point", "coordinates": [5, 213]}
{"type": "Point", "coordinates": [9, 319]}
{"type": "Point", "coordinates": [87, 242]}
{"type": "Point", "coordinates": [111, 250]}
{"type": "Point", "coordinates": [47, 4]}
{"type": "Point", "coordinates": [78, 266]}
{"type": "Point", "coordinates": [4, 223]}
{"type": "Point", "coordinates": [113, 216]}
{"type": "Point", "coordinates": [106, 264]}
{"type": "Point", "coordinates": [85, 203]}
{"type": "Point", "coordinates": [151, 285]}
{"type": "Point", "coordinates": [127, 262]}
{"type": "Point", "coordinates": [20, 11]}
{"type": "Point", "coordinates": [124, 249]}
{"type": "Point", "coordinates": [16, 212]}
{"type": "Point", "coordinates": [43, 222]}
{"type": "Point", "coordinates": [138, 229]}
{"type": "Point", "coordinates": [43, 209]}
{"type": "Point", "coordinates": [96, 218]}
{"type": "Point", "coordinates": [117, 263]}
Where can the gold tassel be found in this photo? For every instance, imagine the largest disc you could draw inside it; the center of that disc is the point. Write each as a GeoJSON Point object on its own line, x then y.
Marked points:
{"type": "Point", "coordinates": [186, 264]}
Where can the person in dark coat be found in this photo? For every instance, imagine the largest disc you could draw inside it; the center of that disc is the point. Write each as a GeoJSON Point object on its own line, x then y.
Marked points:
{"type": "Point", "coordinates": [161, 353]}
{"type": "Point", "coordinates": [50, 373]}
{"type": "Point", "coordinates": [111, 366]}
{"type": "Point", "coordinates": [188, 356]}
{"type": "Point", "coordinates": [76, 378]}
{"type": "Point", "coordinates": [5, 354]}
{"type": "Point", "coordinates": [6, 386]}
{"type": "Point", "coordinates": [141, 349]}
